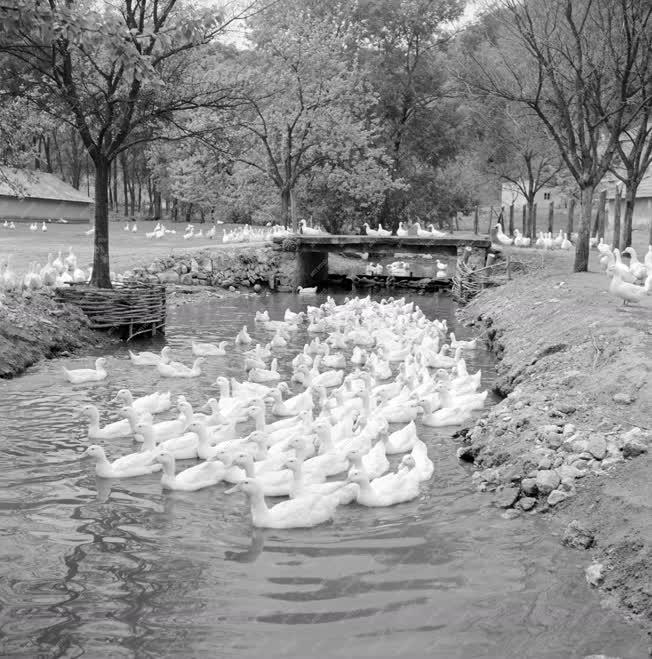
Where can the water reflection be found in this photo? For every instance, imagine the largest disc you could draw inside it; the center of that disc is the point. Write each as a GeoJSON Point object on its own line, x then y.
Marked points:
{"type": "Point", "coordinates": [106, 568]}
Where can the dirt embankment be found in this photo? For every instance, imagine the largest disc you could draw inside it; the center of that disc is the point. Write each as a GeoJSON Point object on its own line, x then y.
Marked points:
{"type": "Point", "coordinates": [33, 327]}
{"type": "Point", "coordinates": [572, 436]}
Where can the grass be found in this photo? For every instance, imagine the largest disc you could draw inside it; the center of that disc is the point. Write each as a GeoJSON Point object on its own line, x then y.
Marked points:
{"type": "Point", "coordinates": [127, 249]}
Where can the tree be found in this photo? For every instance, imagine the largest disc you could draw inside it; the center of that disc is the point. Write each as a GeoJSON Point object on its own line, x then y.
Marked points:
{"type": "Point", "coordinates": [403, 45]}
{"type": "Point", "coordinates": [634, 158]}
{"type": "Point", "coordinates": [514, 147]}
{"type": "Point", "coordinates": [572, 62]}
{"type": "Point", "coordinates": [305, 103]}
{"type": "Point", "coordinates": [106, 70]}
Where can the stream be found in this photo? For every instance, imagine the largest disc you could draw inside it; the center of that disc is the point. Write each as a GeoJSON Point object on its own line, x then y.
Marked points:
{"type": "Point", "coordinates": [98, 568]}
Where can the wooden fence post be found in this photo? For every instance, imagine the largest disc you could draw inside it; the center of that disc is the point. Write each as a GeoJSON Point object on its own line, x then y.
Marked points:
{"type": "Point", "coordinates": [571, 213]}
{"type": "Point", "coordinates": [617, 204]}
{"type": "Point", "coordinates": [551, 216]}
{"type": "Point", "coordinates": [476, 219]}
{"type": "Point", "coordinates": [511, 220]}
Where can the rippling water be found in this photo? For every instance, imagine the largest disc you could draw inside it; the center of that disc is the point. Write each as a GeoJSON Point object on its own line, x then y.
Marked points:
{"type": "Point", "coordinates": [100, 568]}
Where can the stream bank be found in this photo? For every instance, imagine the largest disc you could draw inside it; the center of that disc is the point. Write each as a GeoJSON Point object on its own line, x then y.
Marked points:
{"type": "Point", "coordinates": [572, 436]}
{"type": "Point", "coordinates": [33, 326]}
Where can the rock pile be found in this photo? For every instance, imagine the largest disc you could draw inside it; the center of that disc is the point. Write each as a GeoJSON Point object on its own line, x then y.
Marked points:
{"type": "Point", "coordinates": [226, 268]}
{"type": "Point", "coordinates": [551, 457]}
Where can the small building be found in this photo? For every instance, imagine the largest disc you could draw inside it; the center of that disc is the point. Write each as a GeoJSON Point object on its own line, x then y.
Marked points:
{"type": "Point", "coordinates": [33, 195]}
{"type": "Point", "coordinates": [642, 207]}
{"type": "Point", "coordinates": [511, 194]}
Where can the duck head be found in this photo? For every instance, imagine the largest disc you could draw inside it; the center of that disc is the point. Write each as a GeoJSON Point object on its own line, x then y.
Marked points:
{"type": "Point", "coordinates": [95, 452]}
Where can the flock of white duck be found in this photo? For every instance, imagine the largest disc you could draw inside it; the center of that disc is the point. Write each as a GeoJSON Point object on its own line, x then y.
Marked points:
{"type": "Point", "coordinates": [58, 271]}
{"type": "Point", "coordinates": [544, 240]}
{"type": "Point", "coordinates": [245, 234]}
{"type": "Point", "coordinates": [630, 283]}
{"type": "Point", "coordinates": [406, 367]}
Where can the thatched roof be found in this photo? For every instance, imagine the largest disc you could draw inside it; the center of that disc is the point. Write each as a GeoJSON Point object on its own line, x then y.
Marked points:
{"type": "Point", "coordinates": [19, 183]}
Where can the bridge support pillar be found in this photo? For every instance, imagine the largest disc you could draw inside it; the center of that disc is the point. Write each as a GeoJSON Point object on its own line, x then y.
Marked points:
{"type": "Point", "coordinates": [312, 268]}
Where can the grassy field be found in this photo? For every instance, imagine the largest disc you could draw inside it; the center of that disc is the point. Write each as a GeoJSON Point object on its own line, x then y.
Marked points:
{"type": "Point", "coordinates": [128, 249]}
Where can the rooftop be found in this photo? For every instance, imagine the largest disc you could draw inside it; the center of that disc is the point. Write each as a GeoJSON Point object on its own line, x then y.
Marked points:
{"type": "Point", "coordinates": [38, 185]}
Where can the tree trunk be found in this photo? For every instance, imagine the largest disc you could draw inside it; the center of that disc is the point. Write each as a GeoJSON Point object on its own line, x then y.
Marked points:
{"type": "Point", "coordinates": [532, 220]}
{"type": "Point", "coordinates": [293, 211]}
{"type": "Point", "coordinates": [630, 200]}
{"type": "Point", "coordinates": [157, 205]}
{"type": "Point", "coordinates": [101, 277]}
{"type": "Point", "coordinates": [76, 164]}
{"type": "Point", "coordinates": [175, 210]}
{"type": "Point", "coordinates": [583, 233]}
{"type": "Point", "coordinates": [285, 207]}
{"type": "Point", "coordinates": [511, 220]}
{"type": "Point", "coordinates": [115, 184]}
{"type": "Point", "coordinates": [47, 153]}
{"type": "Point", "coordinates": [617, 204]}
{"type": "Point", "coordinates": [188, 212]}
{"type": "Point", "coordinates": [602, 214]}
{"type": "Point", "coordinates": [551, 217]}
{"type": "Point", "coordinates": [571, 217]}
{"type": "Point", "coordinates": [525, 219]}
{"type": "Point", "coordinates": [125, 187]}
{"type": "Point", "coordinates": [132, 197]}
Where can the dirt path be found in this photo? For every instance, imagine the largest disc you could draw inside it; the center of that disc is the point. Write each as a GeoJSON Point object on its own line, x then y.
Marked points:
{"type": "Point", "coordinates": [575, 366]}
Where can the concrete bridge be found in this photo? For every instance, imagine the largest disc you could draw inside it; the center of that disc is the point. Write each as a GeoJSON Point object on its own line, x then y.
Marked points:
{"type": "Point", "coordinates": [312, 251]}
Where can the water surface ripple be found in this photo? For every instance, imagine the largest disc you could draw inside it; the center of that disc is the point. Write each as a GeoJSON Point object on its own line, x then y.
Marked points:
{"type": "Point", "coordinates": [99, 568]}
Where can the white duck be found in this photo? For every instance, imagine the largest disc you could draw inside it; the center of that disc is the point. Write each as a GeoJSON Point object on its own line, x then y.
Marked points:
{"type": "Point", "coordinates": [183, 447]}
{"type": "Point", "coordinates": [243, 338]}
{"type": "Point", "coordinates": [109, 431]}
{"type": "Point", "coordinates": [307, 290]}
{"type": "Point", "coordinates": [400, 441]}
{"type": "Point", "coordinates": [274, 483]}
{"type": "Point", "coordinates": [128, 466]}
{"type": "Point", "coordinates": [164, 430]}
{"type": "Point", "coordinates": [209, 349]}
{"type": "Point", "coordinates": [292, 406]}
{"type": "Point", "coordinates": [465, 345]}
{"type": "Point", "coordinates": [81, 375]}
{"type": "Point", "coordinates": [154, 403]}
{"type": "Point", "coordinates": [638, 269]}
{"type": "Point", "coordinates": [177, 370]}
{"type": "Point", "coordinates": [502, 238]}
{"type": "Point", "coordinates": [150, 358]}
{"type": "Point", "coordinates": [374, 462]}
{"type": "Point", "coordinates": [262, 375]}
{"type": "Point", "coordinates": [192, 479]}
{"type": "Point", "coordinates": [627, 292]}
{"type": "Point", "coordinates": [345, 492]}
{"type": "Point", "coordinates": [565, 243]}
{"type": "Point", "coordinates": [403, 488]}
{"type": "Point", "coordinates": [446, 416]}
{"type": "Point", "coordinates": [422, 463]}
{"type": "Point", "coordinates": [620, 268]}
{"type": "Point", "coordinates": [304, 512]}
{"type": "Point", "coordinates": [278, 340]}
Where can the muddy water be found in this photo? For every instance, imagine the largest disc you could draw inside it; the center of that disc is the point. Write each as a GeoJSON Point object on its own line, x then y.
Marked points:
{"type": "Point", "coordinates": [99, 568]}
